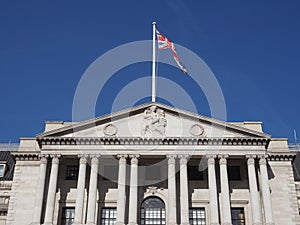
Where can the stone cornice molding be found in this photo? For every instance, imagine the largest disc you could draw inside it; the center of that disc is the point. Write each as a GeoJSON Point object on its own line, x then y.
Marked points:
{"type": "Point", "coordinates": [281, 157]}
{"type": "Point", "coordinates": [230, 141]}
{"type": "Point", "coordinates": [26, 156]}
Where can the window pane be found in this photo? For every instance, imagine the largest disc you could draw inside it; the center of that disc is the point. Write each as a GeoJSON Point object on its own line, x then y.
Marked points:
{"type": "Point", "coordinates": [197, 216]}
{"type": "Point", "coordinates": [108, 216]}
{"type": "Point", "coordinates": [238, 216]}
{"type": "Point", "coordinates": [72, 172]}
{"type": "Point", "coordinates": [68, 215]}
{"type": "Point", "coordinates": [153, 211]}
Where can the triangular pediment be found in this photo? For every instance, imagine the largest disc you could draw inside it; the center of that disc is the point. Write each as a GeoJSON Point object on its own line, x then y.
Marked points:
{"type": "Point", "coordinates": [153, 120]}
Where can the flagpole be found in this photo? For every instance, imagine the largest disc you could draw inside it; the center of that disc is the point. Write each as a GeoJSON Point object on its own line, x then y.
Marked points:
{"type": "Point", "coordinates": [153, 63]}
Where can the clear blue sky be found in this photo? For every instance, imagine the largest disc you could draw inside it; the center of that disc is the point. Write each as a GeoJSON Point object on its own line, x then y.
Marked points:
{"type": "Point", "coordinates": [253, 48]}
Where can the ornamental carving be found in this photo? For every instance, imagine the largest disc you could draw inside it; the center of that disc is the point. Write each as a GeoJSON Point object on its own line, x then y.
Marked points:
{"type": "Point", "coordinates": [110, 130]}
{"type": "Point", "coordinates": [197, 130]}
{"type": "Point", "coordinates": [153, 190]}
{"type": "Point", "coordinates": [154, 122]}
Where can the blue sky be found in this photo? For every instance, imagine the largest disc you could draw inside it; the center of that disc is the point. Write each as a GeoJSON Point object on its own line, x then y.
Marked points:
{"type": "Point", "coordinates": [252, 48]}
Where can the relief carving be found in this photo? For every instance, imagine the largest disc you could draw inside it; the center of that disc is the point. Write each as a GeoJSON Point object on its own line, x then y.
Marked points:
{"type": "Point", "coordinates": [154, 121]}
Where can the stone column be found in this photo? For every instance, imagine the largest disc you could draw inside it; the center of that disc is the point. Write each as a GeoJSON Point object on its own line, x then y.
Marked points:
{"type": "Point", "coordinates": [121, 202]}
{"type": "Point", "coordinates": [172, 212]}
{"type": "Point", "coordinates": [184, 190]}
{"type": "Point", "coordinates": [212, 185]}
{"type": "Point", "coordinates": [52, 191]}
{"type": "Point", "coordinates": [133, 196]}
{"type": "Point", "coordinates": [266, 190]}
{"type": "Point", "coordinates": [256, 218]}
{"type": "Point", "coordinates": [37, 210]}
{"type": "Point", "coordinates": [91, 208]}
{"type": "Point", "coordinates": [80, 191]}
{"type": "Point", "coordinates": [225, 198]}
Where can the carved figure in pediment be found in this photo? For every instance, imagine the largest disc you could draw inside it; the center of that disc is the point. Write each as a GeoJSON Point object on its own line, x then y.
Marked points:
{"type": "Point", "coordinates": [154, 121]}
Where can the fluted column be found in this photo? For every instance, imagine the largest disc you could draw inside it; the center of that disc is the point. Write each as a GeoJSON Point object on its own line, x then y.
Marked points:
{"type": "Point", "coordinates": [91, 208]}
{"type": "Point", "coordinates": [37, 210]}
{"type": "Point", "coordinates": [225, 198]}
{"type": "Point", "coordinates": [266, 191]}
{"type": "Point", "coordinates": [121, 202]}
{"type": "Point", "coordinates": [52, 190]}
{"type": "Point", "coordinates": [256, 218]}
{"type": "Point", "coordinates": [212, 185]}
{"type": "Point", "coordinates": [184, 191]}
{"type": "Point", "coordinates": [172, 214]}
{"type": "Point", "coordinates": [80, 191]}
{"type": "Point", "coordinates": [133, 195]}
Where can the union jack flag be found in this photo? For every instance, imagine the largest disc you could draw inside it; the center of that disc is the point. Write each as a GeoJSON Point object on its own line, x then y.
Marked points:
{"type": "Point", "coordinates": [165, 43]}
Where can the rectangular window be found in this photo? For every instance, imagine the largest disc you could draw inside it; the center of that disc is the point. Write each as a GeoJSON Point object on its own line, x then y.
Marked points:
{"type": "Point", "coordinates": [197, 216]}
{"type": "Point", "coordinates": [68, 215]}
{"type": "Point", "coordinates": [72, 172]}
{"type": "Point", "coordinates": [108, 216]}
{"type": "Point", "coordinates": [111, 173]}
{"type": "Point", "coordinates": [153, 173]}
{"type": "Point", "coordinates": [234, 173]}
{"type": "Point", "coordinates": [238, 216]}
{"type": "Point", "coordinates": [194, 173]}
{"type": "Point", "coordinates": [2, 170]}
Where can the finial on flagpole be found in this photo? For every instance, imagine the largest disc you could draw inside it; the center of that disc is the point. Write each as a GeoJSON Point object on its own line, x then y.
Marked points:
{"type": "Point", "coordinates": [153, 23]}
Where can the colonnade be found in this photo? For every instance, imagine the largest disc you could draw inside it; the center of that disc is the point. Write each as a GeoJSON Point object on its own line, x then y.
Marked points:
{"type": "Point", "coordinates": [133, 193]}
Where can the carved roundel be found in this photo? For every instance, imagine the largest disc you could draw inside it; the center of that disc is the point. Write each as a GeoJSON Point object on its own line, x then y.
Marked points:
{"type": "Point", "coordinates": [110, 130]}
{"type": "Point", "coordinates": [197, 130]}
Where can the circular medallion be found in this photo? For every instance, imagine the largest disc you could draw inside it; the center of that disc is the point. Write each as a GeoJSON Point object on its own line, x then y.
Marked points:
{"type": "Point", "coordinates": [110, 130]}
{"type": "Point", "coordinates": [197, 130]}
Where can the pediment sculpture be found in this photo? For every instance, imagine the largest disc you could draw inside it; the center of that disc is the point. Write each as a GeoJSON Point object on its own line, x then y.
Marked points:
{"type": "Point", "coordinates": [154, 122]}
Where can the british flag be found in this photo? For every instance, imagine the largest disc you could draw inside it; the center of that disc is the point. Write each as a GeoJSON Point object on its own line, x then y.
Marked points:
{"type": "Point", "coordinates": [165, 43]}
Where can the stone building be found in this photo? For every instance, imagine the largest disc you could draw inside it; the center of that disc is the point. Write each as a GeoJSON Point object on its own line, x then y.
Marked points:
{"type": "Point", "coordinates": [153, 164]}
{"type": "Point", "coordinates": [7, 165]}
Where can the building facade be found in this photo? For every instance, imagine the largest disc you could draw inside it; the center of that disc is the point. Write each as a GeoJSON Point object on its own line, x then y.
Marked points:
{"type": "Point", "coordinates": [153, 164]}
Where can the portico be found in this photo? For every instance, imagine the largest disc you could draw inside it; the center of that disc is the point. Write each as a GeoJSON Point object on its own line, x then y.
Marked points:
{"type": "Point", "coordinates": [131, 171]}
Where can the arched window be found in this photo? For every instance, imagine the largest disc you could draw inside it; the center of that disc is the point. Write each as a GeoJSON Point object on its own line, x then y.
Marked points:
{"type": "Point", "coordinates": [153, 211]}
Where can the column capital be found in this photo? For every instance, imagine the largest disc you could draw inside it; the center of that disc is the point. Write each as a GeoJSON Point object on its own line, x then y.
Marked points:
{"type": "Point", "coordinates": [211, 159]}
{"type": "Point", "coordinates": [55, 158]}
{"type": "Point", "coordinates": [183, 158]}
{"type": "Point", "coordinates": [95, 158]}
{"type": "Point", "coordinates": [223, 159]}
{"type": "Point", "coordinates": [251, 159]}
{"type": "Point", "coordinates": [83, 158]}
{"type": "Point", "coordinates": [171, 158]}
{"type": "Point", "coordinates": [262, 159]}
{"type": "Point", "coordinates": [43, 158]}
{"type": "Point", "coordinates": [122, 158]}
{"type": "Point", "coordinates": [134, 159]}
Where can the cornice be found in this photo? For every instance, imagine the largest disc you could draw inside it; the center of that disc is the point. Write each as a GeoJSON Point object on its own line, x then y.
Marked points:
{"type": "Point", "coordinates": [231, 141]}
{"type": "Point", "coordinates": [281, 157]}
{"type": "Point", "coordinates": [26, 156]}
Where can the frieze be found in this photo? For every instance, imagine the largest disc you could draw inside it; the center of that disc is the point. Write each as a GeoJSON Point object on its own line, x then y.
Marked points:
{"type": "Point", "coordinates": [153, 141]}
